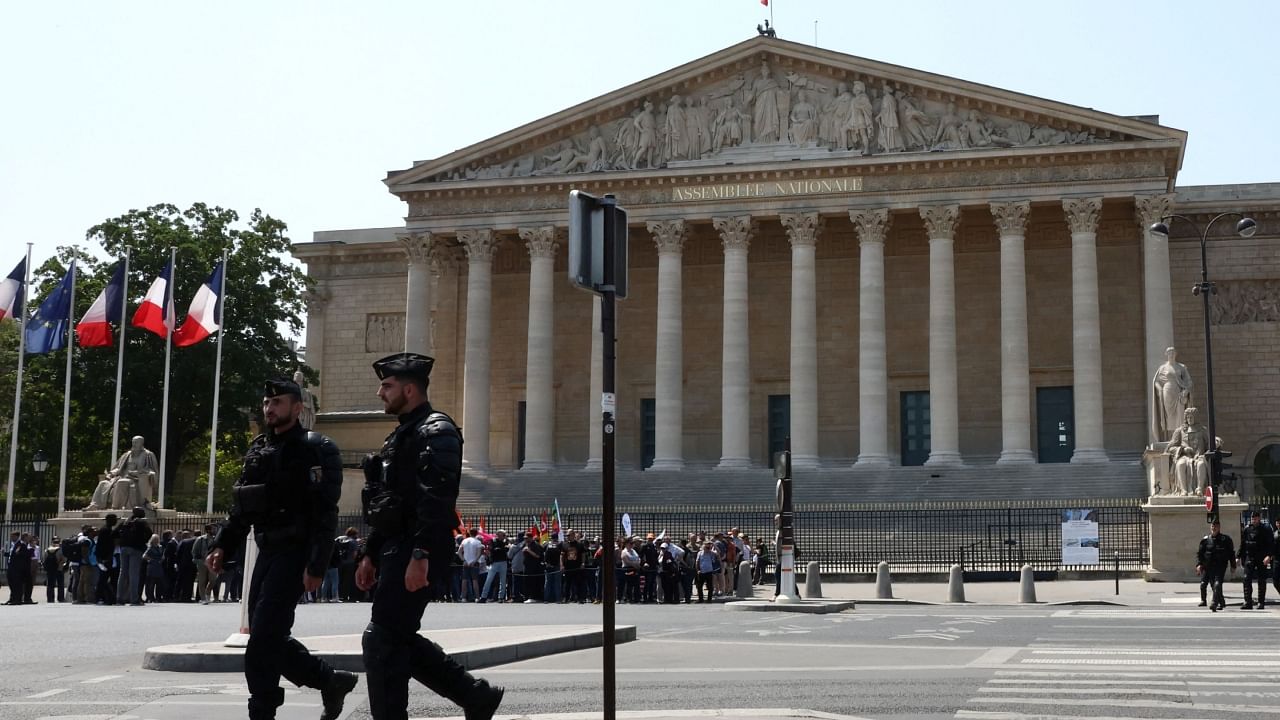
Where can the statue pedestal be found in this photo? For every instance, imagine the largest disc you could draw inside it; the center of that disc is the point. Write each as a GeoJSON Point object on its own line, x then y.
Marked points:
{"type": "Point", "coordinates": [1175, 527]}
{"type": "Point", "coordinates": [68, 522]}
{"type": "Point", "coordinates": [1159, 469]}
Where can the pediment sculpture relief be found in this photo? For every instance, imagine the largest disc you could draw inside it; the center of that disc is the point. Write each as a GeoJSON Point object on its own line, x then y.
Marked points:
{"type": "Point", "coordinates": [771, 111]}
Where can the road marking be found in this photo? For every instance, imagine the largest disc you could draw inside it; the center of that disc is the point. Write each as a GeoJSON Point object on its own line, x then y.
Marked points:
{"type": "Point", "coordinates": [47, 693]}
{"type": "Point", "coordinates": [784, 630]}
{"type": "Point", "coordinates": [1132, 674]}
{"type": "Point", "coordinates": [934, 636]}
{"type": "Point", "coordinates": [1243, 652]}
{"type": "Point", "coordinates": [1045, 680]}
{"type": "Point", "coordinates": [995, 656]}
{"type": "Point", "coordinates": [1111, 691]}
{"type": "Point", "coordinates": [981, 715]}
{"type": "Point", "coordinates": [1159, 663]}
{"type": "Point", "coordinates": [104, 678]}
{"type": "Point", "coordinates": [1168, 627]}
{"type": "Point", "coordinates": [1117, 702]}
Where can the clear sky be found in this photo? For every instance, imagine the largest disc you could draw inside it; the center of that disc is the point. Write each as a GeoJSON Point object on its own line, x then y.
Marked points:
{"type": "Point", "coordinates": [300, 107]}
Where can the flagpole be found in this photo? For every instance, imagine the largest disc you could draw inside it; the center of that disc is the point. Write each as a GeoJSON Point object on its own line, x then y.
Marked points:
{"type": "Point", "coordinates": [217, 384]}
{"type": "Point", "coordinates": [17, 391]}
{"type": "Point", "coordinates": [66, 392]}
{"type": "Point", "coordinates": [168, 352]}
{"type": "Point", "coordinates": [124, 308]}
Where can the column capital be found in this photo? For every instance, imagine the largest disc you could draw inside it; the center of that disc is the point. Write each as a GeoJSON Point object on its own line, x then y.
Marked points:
{"type": "Point", "coordinates": [479, 244]}
{"type": "Point", "coordinates": [1151, 209]}
{"type": "Point", "coordinates": [316, 299]}
{"type": "Point", "coordinates": [735, 231]}
{"type": "Point", "coordinates": [668, 235]}
{"type": "Point", "coordinates": [940, 221]}
{"type": "Point", "coordinates": [541, 241]}
{"type": "Point", "coordinates": [1082, 214]}
{"type": "Point", "coordinates": [872, 225]}
{"type": "Point", "coordinates": [417, 245]}
{"type": "Point", "coordinates": [1011, 217]}
{"type": "Point", "coordinates": [802, 228]}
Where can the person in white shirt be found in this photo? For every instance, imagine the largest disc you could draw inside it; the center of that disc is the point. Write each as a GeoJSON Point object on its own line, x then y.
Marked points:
{"type": "Point", "coordinates": [470, 551]}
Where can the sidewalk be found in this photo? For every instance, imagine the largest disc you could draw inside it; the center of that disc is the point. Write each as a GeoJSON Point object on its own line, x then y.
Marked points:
{"type": "Point", "coordinates": [1132, 592]}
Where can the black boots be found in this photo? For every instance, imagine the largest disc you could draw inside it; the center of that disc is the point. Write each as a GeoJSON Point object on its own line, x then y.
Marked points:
{"type": "Point", "coordinates": [484, 701]}
{"type": "Point", "coordinates": [263, 706]}
{"type": "Point", "coordinates": [335, 693]}
{"type": "Point", "coordinates": [390, 660]}
{"type": "Point", "coordinates": [432, 667]}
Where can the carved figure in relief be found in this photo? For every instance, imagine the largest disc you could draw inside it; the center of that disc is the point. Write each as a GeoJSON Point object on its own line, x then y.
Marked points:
{"type": "Point", "coordinates": [973, 133]}
{"type": "Point", "coordinates": [692, 131]}
{"type": "Point", "coordinates": [626, 140]}
{"type": "Point", "coordinates": [560, 162]}
{"type": "Point", "coordinates": [767, 117]}
{"type": "Point", "coordinates": [596, 158]}
{"type": "Point", "coordinates": [889, 137]}
{"type": "Point", "coordinates": [947, 136]}
{"type": "Point", "coordinates": [726, 130]}
{"type": "Point", "coordinates": [914, 123]}
{"type": "Point", "coordinates": [859, 127]}
{"type": "Point", "coordinates": [831, 124]}
{"type": "Point", "coordinates": [676, 141]}
{"type": "Point", "coordinates": [646, 137]}
{"type": "Point", "coordinates": [1187, 447]}
{"type": "Point", "coordinates": [1170, 396]}
{"type": "Point", "coordinates": [308, 417]}
{"type": "Point", "coordinates": [804, 121]}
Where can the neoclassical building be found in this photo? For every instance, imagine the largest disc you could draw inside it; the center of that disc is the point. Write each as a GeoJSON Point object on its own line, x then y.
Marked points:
{"type": "Point", "coordinates": [890, 266]}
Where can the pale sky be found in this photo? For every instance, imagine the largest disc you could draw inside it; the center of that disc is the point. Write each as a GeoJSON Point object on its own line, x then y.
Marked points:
{"type": "Point", "coordinates": [301, 107]}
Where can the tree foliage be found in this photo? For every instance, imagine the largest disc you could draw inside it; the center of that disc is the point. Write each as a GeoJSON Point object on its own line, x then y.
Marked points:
{"type": "Point", "coordinates": [264, 294]}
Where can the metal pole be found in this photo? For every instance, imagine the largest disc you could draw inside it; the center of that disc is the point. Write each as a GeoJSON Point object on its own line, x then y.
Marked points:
{"type": "Point", "coordinates": [1215, 463]}
{"type": "Point", "coordinates": [124, 308]}
{"type": "Point", "coordinates": [608, 405]}
{"type": "Point", "coordinates": [168, 351]}
{"type": "Point", "coordinates": [217, 384]}
{"type": "Point", "coordinates": [1117, 572]}
{"type": "Point", "coordinates": [17, 391]}
{"type": "Point", "coordinates": [66, 392]}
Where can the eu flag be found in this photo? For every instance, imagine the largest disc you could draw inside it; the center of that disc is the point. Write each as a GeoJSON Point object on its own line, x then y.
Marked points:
{"type": "Point", "coordinates": [48, 328]}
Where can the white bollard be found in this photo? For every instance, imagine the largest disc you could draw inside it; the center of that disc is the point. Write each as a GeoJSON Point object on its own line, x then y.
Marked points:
{"type": "Point", "coordinates": [744, 589]}
{"type": "Point", "coordinates": [884, 584]}
{"type": "Point", "coordinates": [813, 580]}
{"type": "Point", "coordinates": [1028, 594]}
{"type": "Point", "coordinates": [955, 591]}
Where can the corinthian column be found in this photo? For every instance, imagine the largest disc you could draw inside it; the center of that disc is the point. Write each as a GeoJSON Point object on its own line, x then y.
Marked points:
{"type": "Point", "coordinates": [944, 404]}
{"type": "Point", "coordinates": [595, 432]}
{"type": "Point", "coordinates": [1086, 329]}
{"type": "Point", "coordinates": [735, 373]}
{"type": "Point", "coordinates": [1157, 298]}
{"type": "Point", "coordinates": [317, 300]}
{"type": "Point", "coordinates": [802, 230]}
{"type": "Point", "coordinates": [417, 306]}
{"type": "Point", "coordinates": [480, 247]}
{"type": "Point", "coordinates": [873, 372]}
{"type": "Point", "coordinates": [539, 433]}
{"type": "Point", "coordinates": [668, 383]}
{"type": "Point", "coordinates": [1015, 377]}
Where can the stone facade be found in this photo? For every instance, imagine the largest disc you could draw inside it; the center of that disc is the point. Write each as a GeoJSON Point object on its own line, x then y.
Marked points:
{"type": "Point", "coordinates": [944, 227]}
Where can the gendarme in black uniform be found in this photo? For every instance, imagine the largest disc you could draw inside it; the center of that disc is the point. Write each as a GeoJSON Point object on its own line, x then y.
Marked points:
{"type": "Point", "coordinates": [1215, 553]}
{"type": "Point", "coordinates": [1256, 541]}
{"type": "Point", "coordinates": [288, 492]}
{"type": "Point", "coordinates": [409, 501]}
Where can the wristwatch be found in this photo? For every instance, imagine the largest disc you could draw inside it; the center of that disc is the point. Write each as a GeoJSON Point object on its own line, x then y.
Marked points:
{"type": "Point", "coordinates": [420, 554]}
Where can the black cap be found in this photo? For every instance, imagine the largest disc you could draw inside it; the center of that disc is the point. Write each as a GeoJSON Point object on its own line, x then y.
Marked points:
{"type": "Point", "coordinates": [281, 386]}
{"type": "Point", "coordinates": [405, 364]}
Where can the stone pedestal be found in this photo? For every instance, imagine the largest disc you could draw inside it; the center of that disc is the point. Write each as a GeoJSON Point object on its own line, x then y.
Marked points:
{"type": "Point", "coordinates": [1176, 525]}
{"type": "Point", "coordinates": [1159, 467]}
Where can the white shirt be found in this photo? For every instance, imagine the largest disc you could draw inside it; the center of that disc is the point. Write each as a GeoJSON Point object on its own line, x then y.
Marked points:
{"type": "Point", "coordinates": [472, 549]}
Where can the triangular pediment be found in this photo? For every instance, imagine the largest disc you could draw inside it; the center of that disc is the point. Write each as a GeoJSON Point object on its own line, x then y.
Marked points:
{"type": "Point", "coordinates": [767, 100]}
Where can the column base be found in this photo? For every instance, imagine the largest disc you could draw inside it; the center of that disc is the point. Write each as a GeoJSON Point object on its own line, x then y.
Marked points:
{"type": "Point", "coordinates": [1089, 455]}
{"type": "Point", "coordinates": [537, 466]}
{"type": "Point", "coordinates": [593, 465]}
{"type": "Point", "coordinates": [869, 460]}
{"type": "Point", "coordinates": [666, 464]}
{"type": "Point", "coordinates": [806, 462]}
{"type": "Point", "coordinates": [944, 457]}
{"type": "Point", "coordinates": [475, 466]}
{"type": "Point", "coordinates": [734, 463]}
{"type": "Point", "coordinates": [1016, 457]}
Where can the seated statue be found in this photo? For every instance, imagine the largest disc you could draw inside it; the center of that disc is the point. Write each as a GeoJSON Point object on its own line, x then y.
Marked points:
{"type": "Point", "coordinates": [1188, 448]}
{"type": "Point", "coordinates": [129, 482]}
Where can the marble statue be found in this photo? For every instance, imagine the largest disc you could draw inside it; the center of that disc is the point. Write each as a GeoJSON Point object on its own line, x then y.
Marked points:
{"type": "Point", "coordinates": [914, 123]}
{"type": "Point", "coordinates": [129, 483]}
{"type": "Point", "coordinates": [699, 126]}
{"type": "Point", "coordinates": [889, 137]}
{"type": "Point", "coordinates": [768, 118]}
{"type": "Point", "coordinates": [308, 417]}
{"type": "Point", "coordinates": [646, 137]}
{"type": "Point", "coordinates": [804, 121]}
{"type": "Point", "coordinates": [727, 130]}
{"type": "Point", "coordinates": [1187, 447]}
{"type": "Point", "coordinates": [973, 133]}
{"type": "Point", "coordinates": [947, 136]}
{"type": "Point", "coordinates": [859, 126]}
{"type": "Point", "coordinates": [676, 143]}
{"type": "Point", "coordinates": [1170, 396]}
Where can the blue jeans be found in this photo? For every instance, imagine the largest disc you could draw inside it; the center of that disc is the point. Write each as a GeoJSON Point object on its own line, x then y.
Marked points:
{"type": "Point", "coordinates": [496, 570]}
{"type": "Point", "coordinates": [329, 588]}
{"type": "Point", "coordinates": [551, 591]}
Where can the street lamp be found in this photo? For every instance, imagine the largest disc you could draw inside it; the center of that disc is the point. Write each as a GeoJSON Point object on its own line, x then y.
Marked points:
{"type": "Point", "coordinates": [39, 462]}
{"type": "Point", "coordinates": [1246, 228]}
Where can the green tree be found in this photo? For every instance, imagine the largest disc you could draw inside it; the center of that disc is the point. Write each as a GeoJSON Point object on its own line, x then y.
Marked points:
{"type": "Point", "coordinates": [265, 293]}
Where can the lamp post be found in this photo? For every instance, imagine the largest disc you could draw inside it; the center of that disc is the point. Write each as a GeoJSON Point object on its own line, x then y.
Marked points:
{"type": "Point", "coordinates": [1246, 228]}
{"type": "Point", "coordinates": [40, 463]}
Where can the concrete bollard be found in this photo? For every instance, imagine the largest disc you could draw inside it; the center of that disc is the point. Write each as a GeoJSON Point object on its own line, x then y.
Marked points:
{"type": "Point", "coordinates": [955, 591]}
{"type": "Point", "coordinates": [884, 584]}
{"type": "Point", "coordinates": [1028, 594]}
{"type": "Point", "coordinates": [744, 589]}
{"type": "Point", "coordinates": [813, 580]}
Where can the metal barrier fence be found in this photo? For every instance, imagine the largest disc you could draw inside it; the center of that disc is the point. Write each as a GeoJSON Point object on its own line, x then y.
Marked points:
{"type": "Point", "coordinates": [844, 538]}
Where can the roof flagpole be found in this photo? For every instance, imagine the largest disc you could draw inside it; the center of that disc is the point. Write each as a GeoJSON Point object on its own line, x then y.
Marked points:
{"type": "Point", "coordinates": [17, 391]}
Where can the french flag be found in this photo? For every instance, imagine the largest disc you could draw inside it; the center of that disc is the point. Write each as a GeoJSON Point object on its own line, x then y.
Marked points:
{"type": "Point", "coordinates": [11, 295]}
{"type": "Point", "coordinates": [205, 314]}
{"type": "Point", "coordinates": [156, 311]}
{"type": "Point", "coordinates": [94, 329]}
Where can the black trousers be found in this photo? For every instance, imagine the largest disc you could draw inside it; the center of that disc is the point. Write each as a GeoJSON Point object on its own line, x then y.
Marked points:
{"type": "Point", "coordinates": [1215, 576]}
{"type": "Point", "coordinates": [1255, 573]}
{"type": "Point", "coordinates": [272, 652]}
{"type": "Point", "coordinates": [54, 581]}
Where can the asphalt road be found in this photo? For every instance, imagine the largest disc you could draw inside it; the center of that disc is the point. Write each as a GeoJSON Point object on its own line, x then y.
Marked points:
{"type": "Point", "coordinates": [882, 662]}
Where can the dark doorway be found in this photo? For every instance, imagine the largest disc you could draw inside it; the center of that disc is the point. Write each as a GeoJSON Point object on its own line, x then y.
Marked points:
{"type": "Point", "coordinates": [914, 406]}
{"type": "Point", "coordinates": [648, 428]}
{"type": "Point", "coordinates": [1055, 424]}
{"type": "Point", "coordinates": [520, 408]}
{"type": "Point", "coordinates": [779, 423]}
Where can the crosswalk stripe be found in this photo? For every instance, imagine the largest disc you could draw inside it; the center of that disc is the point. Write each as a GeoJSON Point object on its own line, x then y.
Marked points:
{"type": "Point", "coordinates": [1144, 682]}
{"type": "Point", "coordinates": [1245, 653]}
{"type": "Point", "coordinates": [47, 693]}
{"type": "Point", "coordinates": [1118, 703]}
{"type": "Point", "coordinates": [1190, 662]}
{"type": "Point", "coordinates": [984, 715]}
{"type": "Point", "coordinates": [102, 679]}
{"type": "Point", "coordinates": [1132, 674]}
{"type": "Point", "coordinates": [1085, 691]}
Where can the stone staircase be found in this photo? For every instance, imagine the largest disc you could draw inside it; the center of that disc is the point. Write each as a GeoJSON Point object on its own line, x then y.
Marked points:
{"type": "Point", "coordinates": [1123, 477]}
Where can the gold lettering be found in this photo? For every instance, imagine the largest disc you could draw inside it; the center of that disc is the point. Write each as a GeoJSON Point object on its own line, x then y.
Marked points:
{"type": "Point", "coordinates": [774, 189]}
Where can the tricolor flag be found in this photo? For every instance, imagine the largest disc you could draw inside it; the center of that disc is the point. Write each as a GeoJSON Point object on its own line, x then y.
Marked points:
{"type": "Point", "coordinates": [11, 295]}
{"type": "Point", "coordinates": [555, 520]}
{"type": "Point", "coordinates": [205, 314]}
{"type": "Point", "coordinates": [48, 328]}
{"type": "Point", "coordinates": [156, 311]}
{"type": "Point", "coordinates": [764, 3]}
{"type": "Point", "coordinates": [94, 329]}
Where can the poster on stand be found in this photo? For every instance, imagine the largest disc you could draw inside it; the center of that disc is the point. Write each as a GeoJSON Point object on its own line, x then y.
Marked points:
{"type": "Point", "coordinates": [1080, 537]}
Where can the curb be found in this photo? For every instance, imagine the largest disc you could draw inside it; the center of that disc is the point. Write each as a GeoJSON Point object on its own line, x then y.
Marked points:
{"type": "Point", "coordinates": [814, 607]}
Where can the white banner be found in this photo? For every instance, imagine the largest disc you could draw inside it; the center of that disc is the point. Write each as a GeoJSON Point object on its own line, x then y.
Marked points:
{"type": "Point", "coordinates": [1080, 537]}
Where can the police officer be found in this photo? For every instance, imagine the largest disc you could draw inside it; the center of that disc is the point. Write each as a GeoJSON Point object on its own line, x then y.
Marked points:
{"type": "Point", "coordinates": [1216, 551]}
{"type": "Point", "coordinates": [1256, 542]}
{"type": "Point", "coordinates": [411, 489]}
{"type": "Point", "coordinates": [288, 492]}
